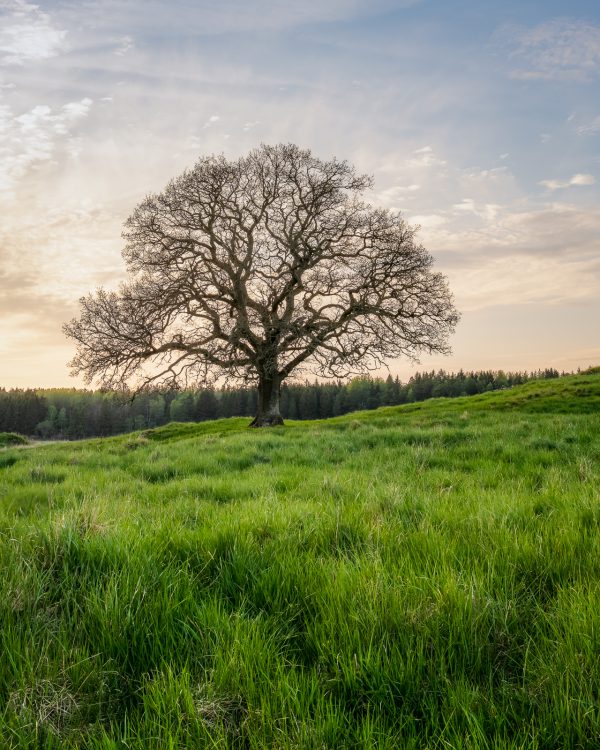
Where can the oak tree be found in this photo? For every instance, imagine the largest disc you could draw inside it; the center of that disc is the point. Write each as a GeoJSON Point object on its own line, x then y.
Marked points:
{"type": "Point", "coordinates": [255, 268]}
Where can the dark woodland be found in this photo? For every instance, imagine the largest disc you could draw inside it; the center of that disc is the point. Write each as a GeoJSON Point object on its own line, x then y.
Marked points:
{"type": "Point", "coordinates": [73, 414]}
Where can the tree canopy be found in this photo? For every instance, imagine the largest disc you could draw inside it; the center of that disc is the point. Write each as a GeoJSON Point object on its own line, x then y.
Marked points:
{"type": "Point", "coordinates": [255, 268]}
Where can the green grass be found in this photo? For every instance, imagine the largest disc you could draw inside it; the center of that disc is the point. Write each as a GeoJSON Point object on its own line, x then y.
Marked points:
{"type": "Point", "coordinates": [424, 576]}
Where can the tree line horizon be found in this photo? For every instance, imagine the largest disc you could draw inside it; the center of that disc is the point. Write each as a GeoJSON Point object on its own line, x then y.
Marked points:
{"type": "Point", "coordinates": [63, 413]}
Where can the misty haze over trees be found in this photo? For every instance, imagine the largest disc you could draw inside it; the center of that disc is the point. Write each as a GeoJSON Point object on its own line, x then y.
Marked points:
{"type": "Point", "coordinates": [73, 414]}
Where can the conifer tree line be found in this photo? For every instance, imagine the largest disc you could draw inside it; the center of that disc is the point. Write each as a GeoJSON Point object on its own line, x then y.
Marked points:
{"type": "Point", "coordinates": [72, 414]}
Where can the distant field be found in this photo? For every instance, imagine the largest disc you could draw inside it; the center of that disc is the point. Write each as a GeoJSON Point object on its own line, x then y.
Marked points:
{"type": "Point", "coordinates": [425, 576]}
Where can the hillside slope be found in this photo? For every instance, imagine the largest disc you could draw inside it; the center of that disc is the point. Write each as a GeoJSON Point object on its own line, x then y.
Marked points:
{"type": "Point", "coordinates": [418, 576]}
{"type": "Point", "coordinates": [575, 394]}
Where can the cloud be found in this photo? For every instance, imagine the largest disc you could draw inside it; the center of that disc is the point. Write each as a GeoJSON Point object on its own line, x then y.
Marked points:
{"type": "Point", "coordinates": [32, 137]}
{"type": "Point", "coordinates": [515, 279]}
{"type": "Point", "coordinates": [488, 174]}
{"type": "Point", "coordinates": [559, 49]}
{"type": "Point", "coordinates": [589, 128]}
{"type": "Point", "coordinates": [577, 180]}
{"type": "Point", "coordinates": [395, 196]}
{"type": "Point", "coordinates": [499, 246]}
{"type": "Point", "coordinates": [425, 157]}
{"type": "Point", "coordinates": [553, 230]}
{"type": "Point", "coordinates": [27, 33]}
{"type": "Point", "coordinates": [498, 255]}
{"type": "Point", "coordinates": [558, 227]}
{"type": "Point", "coordinates": [124, 44]}
{"type": "Point", "coordinates": [57, 253]}
{"type": "Point", "coordinates": [211, 121]}
{"type": "Point", "coordinates": [428, 221]}
{"type": "Point", "coordinates": [234, 15]}
{"type": "Point", "coordinates": [486, 211]}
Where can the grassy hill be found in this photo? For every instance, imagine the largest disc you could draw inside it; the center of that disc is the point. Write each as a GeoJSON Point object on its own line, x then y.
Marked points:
{"type": "Point", "coordinates": [425, 576]}
{"type": "Point", "coordinates": [9, 439]}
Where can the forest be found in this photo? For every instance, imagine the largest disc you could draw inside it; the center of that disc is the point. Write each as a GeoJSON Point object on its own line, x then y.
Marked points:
{"type": "Point", "coordinates": [71, 414]}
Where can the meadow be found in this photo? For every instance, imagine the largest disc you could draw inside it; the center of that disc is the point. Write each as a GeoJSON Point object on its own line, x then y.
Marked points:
{"type": "Point", "coordinates": [423, 576]}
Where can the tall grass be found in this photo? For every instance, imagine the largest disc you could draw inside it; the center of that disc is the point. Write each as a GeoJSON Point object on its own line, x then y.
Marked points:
{"type": "Point", "coordinates": [421, 577]}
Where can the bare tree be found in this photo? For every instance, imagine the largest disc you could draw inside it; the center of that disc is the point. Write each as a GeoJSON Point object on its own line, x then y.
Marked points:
{"type": "Point", "coordinates": [250, 269]}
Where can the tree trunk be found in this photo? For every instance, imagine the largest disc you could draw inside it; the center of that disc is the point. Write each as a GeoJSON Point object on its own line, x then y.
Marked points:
{"type": "Point", "coordinates": [268, 414]}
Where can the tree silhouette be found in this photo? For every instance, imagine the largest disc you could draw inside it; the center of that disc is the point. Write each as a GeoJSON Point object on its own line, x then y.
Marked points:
{"type": "Point", "coordinates": [255, 268]}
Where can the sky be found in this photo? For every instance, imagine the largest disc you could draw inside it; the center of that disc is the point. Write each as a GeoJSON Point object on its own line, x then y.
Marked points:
{"type": "Point", "coordinates": [479, 121]}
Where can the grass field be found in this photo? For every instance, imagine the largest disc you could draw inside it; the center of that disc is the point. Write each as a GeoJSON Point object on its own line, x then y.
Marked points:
{"type": "Point", "coordinates": [424, 576]}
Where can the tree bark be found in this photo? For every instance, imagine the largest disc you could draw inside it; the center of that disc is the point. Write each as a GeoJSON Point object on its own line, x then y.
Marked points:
{"type": "Point", "coordinates": [268, 414]}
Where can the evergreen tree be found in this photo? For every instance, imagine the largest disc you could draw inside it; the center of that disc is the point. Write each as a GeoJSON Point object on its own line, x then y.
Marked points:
{"type": "Point", "coordinates": [206, 406]}
{"type": "Point", "coordinates": [182, 407]}
{"type": "Point", "coordinates": [308, 404]}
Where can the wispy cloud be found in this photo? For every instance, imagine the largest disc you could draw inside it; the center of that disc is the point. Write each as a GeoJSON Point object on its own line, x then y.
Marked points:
{"type": "Point", "coordinates": [486, 211]}
{"type": "Point", "coordinates": [494, 262]}
{"type": "Point", "coordinates": [559, 49]}
{"type": "Point", "coordinates": [427, 221]}
{"type": "Point", "coordinates": [27, 33]}
{"type": "Point", "coordinates": [124, 45]}
{"type": "Point", "coordinates": [508, 281]}
{"type": "Point", "coordinates": [592, 127]}
{"type": "Point", "coordinates": [212, 120]}
{"type": "Point", "coordinates": [208, 18]}
{"type": "Point", "coordinates": [33, 136]}
{"type": "Point", "coordinates": [425, 157]}
{"type": "Point", "coordinates": [576, 181]}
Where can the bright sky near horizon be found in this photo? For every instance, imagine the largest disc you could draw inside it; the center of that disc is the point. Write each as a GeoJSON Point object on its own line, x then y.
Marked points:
{"type": "Point", "coordinates": [479, 120]}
